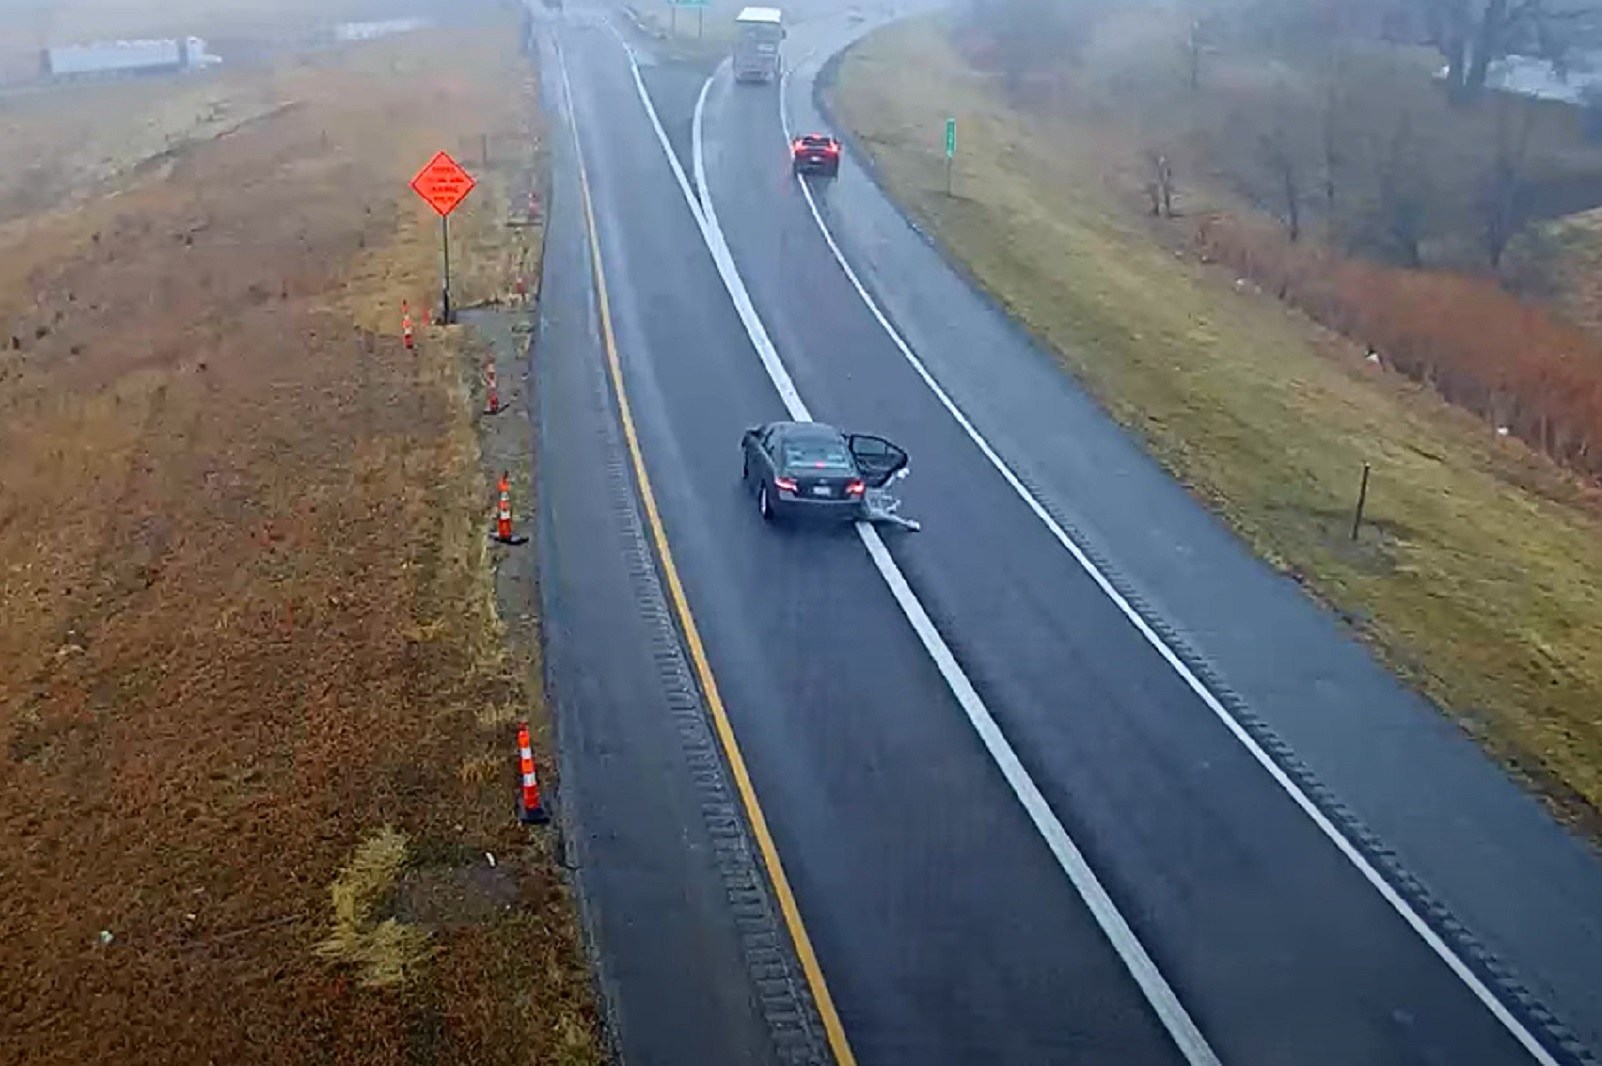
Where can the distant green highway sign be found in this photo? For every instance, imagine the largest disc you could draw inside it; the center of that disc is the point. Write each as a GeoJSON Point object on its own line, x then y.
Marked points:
{"type": "Point", "coordinates": [687, 3]}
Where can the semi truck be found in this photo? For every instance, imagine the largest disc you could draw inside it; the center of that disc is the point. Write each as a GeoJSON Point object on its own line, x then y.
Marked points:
{"type": "Point", "coordinates": [106, 58]}
{"type": "Point", "coordinates": [758, 31]}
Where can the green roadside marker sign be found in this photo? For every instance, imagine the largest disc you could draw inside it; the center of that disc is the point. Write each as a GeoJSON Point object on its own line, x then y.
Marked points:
{"type": "Point", "coordinates": [951, 137]}
{"type": "Point", "coordinates": [687, 3]}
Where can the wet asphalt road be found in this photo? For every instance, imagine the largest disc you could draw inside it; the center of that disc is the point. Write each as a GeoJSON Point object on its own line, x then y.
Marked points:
{"type": "Point", "coordinates": [945, 929]}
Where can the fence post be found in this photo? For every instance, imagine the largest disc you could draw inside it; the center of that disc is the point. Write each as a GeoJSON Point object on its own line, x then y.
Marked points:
{"type": "Point", "coordinates": [1362, 500]}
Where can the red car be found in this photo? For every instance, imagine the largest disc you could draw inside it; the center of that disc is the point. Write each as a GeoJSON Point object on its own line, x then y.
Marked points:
{"type": "Point", "coordinates": [815, 153]}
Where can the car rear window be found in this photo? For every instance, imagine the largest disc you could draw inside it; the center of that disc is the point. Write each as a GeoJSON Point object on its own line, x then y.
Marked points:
{"type": "Point", "coordinates": [815, 142]}
{"type": "Point", "coordinates": [816, 455]}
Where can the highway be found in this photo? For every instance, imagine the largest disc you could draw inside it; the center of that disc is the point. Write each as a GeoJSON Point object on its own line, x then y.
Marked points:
{"type": "Point", "coordinates": [945, 919]}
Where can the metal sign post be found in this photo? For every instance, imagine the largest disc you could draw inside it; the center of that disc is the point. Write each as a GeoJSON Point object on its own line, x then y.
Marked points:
{"type": "Point", "coordinates": [445, 242]}
{"type": "Point", "coordinates": [443, 184]}
{"type": "Point", "coordinates": [951, 150]}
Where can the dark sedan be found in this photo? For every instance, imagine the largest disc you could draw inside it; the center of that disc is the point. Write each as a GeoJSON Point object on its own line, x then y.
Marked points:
{"type": "Point", "coordinates": [800, 468]}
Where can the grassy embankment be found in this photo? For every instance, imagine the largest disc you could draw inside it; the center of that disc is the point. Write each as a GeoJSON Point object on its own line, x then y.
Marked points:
{"type": "Point", "coordinates": [1477, 574]}
{"type": "Point", "coordinates": [255, 701]}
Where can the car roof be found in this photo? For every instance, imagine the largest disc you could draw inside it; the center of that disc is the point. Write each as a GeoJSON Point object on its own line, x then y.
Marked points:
{"type": "Point", "coordinates": [808, 431]}
{"type": "Point", "coordinates": [810, 137]}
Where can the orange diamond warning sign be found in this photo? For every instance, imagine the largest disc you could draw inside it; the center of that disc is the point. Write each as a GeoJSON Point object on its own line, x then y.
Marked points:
{"type": "Point", "coordinates": [443, 183]}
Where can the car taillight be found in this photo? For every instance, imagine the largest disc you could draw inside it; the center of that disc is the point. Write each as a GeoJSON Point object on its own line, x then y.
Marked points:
{"type": "Point", "coordinates": [854, 487]}
{"type": "Point", "coordinates": [785, 484]}
{"type": "Point", "coordinates": [833, 149]}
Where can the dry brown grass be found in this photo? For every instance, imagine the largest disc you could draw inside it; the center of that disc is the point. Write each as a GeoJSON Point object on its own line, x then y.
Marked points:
{"type": "Point", "coordinates": [385, 952]}
{"type": "Point", "coordinates": [1477, 575]}
{"type": "Point", "coordinates": [246, 620]}
{"type": "Point", "coordinates": [80, 140]}
{"type": "Point", "coordinates": [1507, 359]}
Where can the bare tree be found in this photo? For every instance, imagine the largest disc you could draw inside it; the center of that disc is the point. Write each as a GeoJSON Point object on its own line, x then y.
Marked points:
{"type": "Point", "coordinates": [1472, 34]}
{"type": "Point", "coordinates": [1294, 25]}
{"type": "Point", "coordinates": [39, 16]}
{"type": "Point", "coordinates": [1331, 150]}
{"type": "Point", "coordinates": [1503, 203]}
{"type": "Point", "coordinates": [1160, 190]}
{"type": "Point", "coordinates": [1035, 37]}
{"type": "Point", "coordinates": [1193, 54]}
{"type": "Point", "coordinates": [1280, 157]}
{"type": "Point", "coordinates": [1591, 111]}
{"type": "Point", "coordinates": [1404, 194]}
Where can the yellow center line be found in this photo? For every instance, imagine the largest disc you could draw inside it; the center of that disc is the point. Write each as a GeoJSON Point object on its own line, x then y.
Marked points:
{"type": "Point", "coordinates": [703, 670]}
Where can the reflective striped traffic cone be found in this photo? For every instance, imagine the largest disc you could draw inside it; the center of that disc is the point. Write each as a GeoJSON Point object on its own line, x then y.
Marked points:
{"type": "Point", "coordinates": [492, 401]}
{"type": "Point", "coordinates": [503, 516]}
{"type": "Point", "coordinates": [530, 810]}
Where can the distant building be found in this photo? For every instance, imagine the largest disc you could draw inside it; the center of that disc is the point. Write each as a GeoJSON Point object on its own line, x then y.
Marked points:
{"type": "Point", "coordinates": [1578, 81]}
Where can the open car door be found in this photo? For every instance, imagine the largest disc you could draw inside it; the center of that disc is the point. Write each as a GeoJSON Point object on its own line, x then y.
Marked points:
{"type": "Point", "coordinates": [877, 459]}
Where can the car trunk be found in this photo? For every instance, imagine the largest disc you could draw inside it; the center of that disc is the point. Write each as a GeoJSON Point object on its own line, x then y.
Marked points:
{"type": "Point", "coordinates": [819, 486]}
{"type": "Point", "coordinates": [815, 153]}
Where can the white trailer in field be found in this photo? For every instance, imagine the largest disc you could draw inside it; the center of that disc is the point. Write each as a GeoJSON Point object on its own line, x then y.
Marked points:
{"type": "Point", "coordinates": [107, 58]}
{"type": "Point", "coordinates": [371, 31]}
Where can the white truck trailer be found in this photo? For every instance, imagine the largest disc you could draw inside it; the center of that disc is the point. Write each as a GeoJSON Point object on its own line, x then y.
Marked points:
{"type": "Point", "coordinates": [758, 31]}
{"type": "Point", "coordinates": [371, 31]}
{"type": "Point", "coordinates": [109, 58]}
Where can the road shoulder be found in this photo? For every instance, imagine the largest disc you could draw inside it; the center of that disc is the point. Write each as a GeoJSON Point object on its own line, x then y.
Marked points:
{"type": "Point", "coordinates": [693, 964]}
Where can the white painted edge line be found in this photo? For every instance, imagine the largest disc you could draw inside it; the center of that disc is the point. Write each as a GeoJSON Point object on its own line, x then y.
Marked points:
{"type": "Point", "coordinates": [1164, 1002]}
{"type": "Point", "coordinates": [713, 237]}
{"type": "Point", "coordinates": [1443, 950]}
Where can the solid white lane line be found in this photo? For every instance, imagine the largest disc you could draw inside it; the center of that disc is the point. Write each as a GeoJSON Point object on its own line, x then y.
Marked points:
{"type": "Point", "coordinates": [1165, 1003]}
{"type": "Point", "coordinates": [713, 238]}
{"type": "Point", "coordinates": [1444, 951]}
{"type": "Point", "coordinates": [1181, 1028]}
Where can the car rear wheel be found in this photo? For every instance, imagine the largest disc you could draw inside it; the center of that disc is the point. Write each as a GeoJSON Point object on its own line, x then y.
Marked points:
{"type": "Point", "coordinates": [764, 503]}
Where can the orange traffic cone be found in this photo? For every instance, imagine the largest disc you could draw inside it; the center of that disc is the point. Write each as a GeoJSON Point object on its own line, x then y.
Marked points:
{"type": "Point", "coordinates": [503, 516]}
{"type": "Point", "coordinates": [492, 402]}
{"type": "Point", "coordinates": [529, 808]}
{"type": "Point", "coordinates": [406, 326]}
